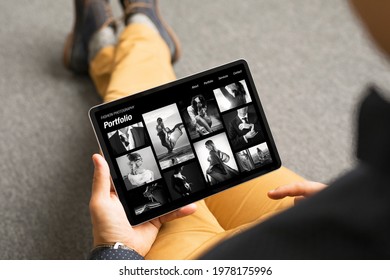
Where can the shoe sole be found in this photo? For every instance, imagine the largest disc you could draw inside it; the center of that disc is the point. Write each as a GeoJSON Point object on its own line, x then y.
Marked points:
{"type": "Point", "coordinates": [69, 51]}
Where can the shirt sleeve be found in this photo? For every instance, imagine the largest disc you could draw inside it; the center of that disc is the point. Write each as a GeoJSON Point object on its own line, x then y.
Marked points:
{"type": "Point", "coordinates": [107, 253]}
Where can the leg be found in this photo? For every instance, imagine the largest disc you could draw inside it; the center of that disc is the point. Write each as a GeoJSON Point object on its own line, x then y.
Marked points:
{"type": "Point", "coordinates": [187, 237]}
{"type": "Point", "coordinates": [248, 202]}
{"type": "Point", "coordinates": [203, 122]}
{"type": "Point", "coordinates": [142, 61]}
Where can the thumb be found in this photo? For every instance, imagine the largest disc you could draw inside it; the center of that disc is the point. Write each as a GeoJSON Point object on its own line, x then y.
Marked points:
{"type": "Point", "coordinates": [101, 178]}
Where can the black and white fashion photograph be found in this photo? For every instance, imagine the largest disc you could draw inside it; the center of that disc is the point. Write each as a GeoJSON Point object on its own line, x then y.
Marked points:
{"type": "Point", "coordinates": [138, 168]}
{"type": "Point", "coordinates": [200, 114]}
{"type": "Point", "coordinates": [216, 159]}
{"type": "Point", "coordinates": [245, 161]}
{"type": "Point", "coordinates": [243, 127]}
{"type": "Point", "coordinates": [168, 135]}
{"type": "Point", "coordinates": [232, 95]}
{"type": "Point", "coordinates": [184, 180]}
{"type": "Point", "coordinates": [260, 155]}
{"type": "Point", "coordinates": [127, 138]}
{"type": "Point", "coordinates": [149, 197]}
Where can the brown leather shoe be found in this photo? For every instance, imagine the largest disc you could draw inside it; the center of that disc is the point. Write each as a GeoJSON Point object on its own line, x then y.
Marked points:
{"type": "Point", "coordinates": [91, 16]}
{"type": "Point", "coordinates": [151, 10]}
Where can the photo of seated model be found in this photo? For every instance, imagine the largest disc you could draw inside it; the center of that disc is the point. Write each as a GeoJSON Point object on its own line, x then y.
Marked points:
{"type": "Point", "coordinates": [138, 176]}
{"type": "Point", "coordinates": [218, 171]}
{"type": "Point", "coordinates": [198, 114]}
{"type": "Point", "coordinates": [127, 138]}
{"type": "Point", "coordinates": [168, 136]}
{"type": "Point", "coordinates": [243, 128]}
{"type": "Point", "coordinates": [179, 182]}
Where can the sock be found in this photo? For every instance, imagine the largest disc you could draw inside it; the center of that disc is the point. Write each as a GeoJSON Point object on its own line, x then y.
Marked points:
{"type": "Point", "coordinates": [143, 19]}
{"type": "Point", "coordinates": [102, 38]}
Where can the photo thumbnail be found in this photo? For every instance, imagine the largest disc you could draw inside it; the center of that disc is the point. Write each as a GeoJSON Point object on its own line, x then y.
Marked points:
{"type": "Point", "coordinates": [260, 155]}
{"type": "Point", "coordinates": [245, 161]}
{"type": "Point", "coordinates": [149, 197]}
{"type": "Point", "coordinates": [243, 128]}
{"type": "Point", "coordinates": [232, 95]}
{"type": "Point", "coordinates": [168, 135]}
{"type": "Point", "coordinates": [200, 114]}
{"type": "Point", "coordinates": [138, 168]}
{"type": "Point", "coordinates": [127, 138]}
{"type": "Point", "coordinates": [184, 180]}
{"type": "Point", "coordinates": [216, 159]}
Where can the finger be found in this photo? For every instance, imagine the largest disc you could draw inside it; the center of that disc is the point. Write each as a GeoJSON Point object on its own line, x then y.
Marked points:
{"type": "Point", "coordinates": [296, 189]}
{"type": "Point", "coordinates": [182, 212]}
{"type": "Point", "coordinates": [304, 189]}
{"type": "Point", "coordinates": [101, 185]}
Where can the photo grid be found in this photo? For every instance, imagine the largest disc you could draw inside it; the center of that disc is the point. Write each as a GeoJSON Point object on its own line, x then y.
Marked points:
{"type": "Point", "coordinates": [182, 148]}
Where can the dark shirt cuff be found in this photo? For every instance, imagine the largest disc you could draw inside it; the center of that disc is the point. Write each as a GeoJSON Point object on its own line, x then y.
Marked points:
{"type": "Point", "coordinates": [109, 253]}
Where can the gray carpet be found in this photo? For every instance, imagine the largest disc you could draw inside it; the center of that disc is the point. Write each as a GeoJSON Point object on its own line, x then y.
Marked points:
{"type": "Point", "coordinates": [309, 58]}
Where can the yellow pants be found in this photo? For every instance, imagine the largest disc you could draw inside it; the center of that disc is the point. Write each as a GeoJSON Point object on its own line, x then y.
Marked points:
{"type": "Point", "coordinates": [141, 60]}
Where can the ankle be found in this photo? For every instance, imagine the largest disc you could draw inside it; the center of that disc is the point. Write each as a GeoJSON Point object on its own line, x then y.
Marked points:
{"type": "Point", "coordinates": [102, 38]}
{"type": "Point", "coordinates": [140, 18]}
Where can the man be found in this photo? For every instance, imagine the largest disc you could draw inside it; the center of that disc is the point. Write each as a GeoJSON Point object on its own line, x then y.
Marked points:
{"type": "Point", "coordinates": [244, 130]}
{"type": "Point", "coordinates": [348, 220]}
{"type": "Point", "coordinates": [127, 138]}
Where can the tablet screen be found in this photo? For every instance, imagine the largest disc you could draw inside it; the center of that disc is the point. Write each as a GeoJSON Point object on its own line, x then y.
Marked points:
{"type": "Point", "coordinates": [181, 142]}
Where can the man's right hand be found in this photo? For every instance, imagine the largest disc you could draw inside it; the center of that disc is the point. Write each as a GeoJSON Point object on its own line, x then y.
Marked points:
{"type": "Point", "coordinates": [250, 134]}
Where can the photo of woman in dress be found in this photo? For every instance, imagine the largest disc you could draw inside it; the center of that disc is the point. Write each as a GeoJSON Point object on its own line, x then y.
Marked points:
{"type": "Point", "coordinates": [169, 137]}
{"type": "Point", "coordinates": [218, 171]}
{"type": "Point", "coordinates": [198, 114]}
{"type": "Point", "coordinates": [216, 158]}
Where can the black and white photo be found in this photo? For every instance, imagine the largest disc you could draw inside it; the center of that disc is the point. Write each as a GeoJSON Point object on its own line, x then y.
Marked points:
{"type": "Point", "coordinates": [149, 197]}
{"type": "Point", "coordinates": [127, 138]}
{"type": "Point", "coordinates": [168, 135]}
{"type": "Point", "coordinates": [260, 155]}
{"type": "Point", "coordinates": [243, 127]}
{"type": "Point", "coordinates": [232, 95]}
{"type": "Point", "coordinates": [216, 159]}
{"type": "Point", "coordinates": [138, 168]}
{"type": "Point", "coordinates": [184, 180]}
{"type": "Point", "coordinates": [200, 114]}
{"type": "Point", "coordinates": [245, 161]}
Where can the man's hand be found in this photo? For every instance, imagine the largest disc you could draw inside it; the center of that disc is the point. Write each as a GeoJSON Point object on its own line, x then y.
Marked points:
{"type": "Point", "coordinates": [109, 220]}
{"type": "Point", "coordinates": [299, 190]}
{"type": "Point", "coordinates": [250, 134]}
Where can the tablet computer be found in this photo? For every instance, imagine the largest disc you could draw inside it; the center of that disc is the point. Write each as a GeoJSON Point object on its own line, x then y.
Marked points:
{"type": "Point", "coordinates": [183, 141]}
